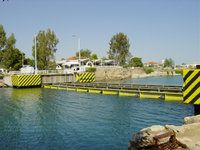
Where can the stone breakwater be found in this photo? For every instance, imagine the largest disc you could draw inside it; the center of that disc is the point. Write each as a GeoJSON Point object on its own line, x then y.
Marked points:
{"type": "Point", "coordinates": [186, 136]}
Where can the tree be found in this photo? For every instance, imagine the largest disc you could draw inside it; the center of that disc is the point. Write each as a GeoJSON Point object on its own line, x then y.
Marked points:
{"type": "Point", "coordinates": [136, 62]}
{"type": "Point", "coordinates": [2, 37]}
{"type": "Point", "coordinates": [168, 63]}
{"type": "Point", "coordinates": [119, 48]}
{"type": "Point", "coordinates": [46, 42]}
{"type": "Point", "coordinates": [11, 57]}
{"type": "Point", "coordinates": [84, 53]}
{"type": "Point", "coordinates": [2, 43]}
{"type": "Point", "coordinates": [94, 56]}
{"type": "Point", "coordinates": [28, 61]}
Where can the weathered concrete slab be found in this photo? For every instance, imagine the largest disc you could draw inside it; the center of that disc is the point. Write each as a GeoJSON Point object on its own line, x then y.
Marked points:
{"type": "Point", "coordinates": [7, 81]}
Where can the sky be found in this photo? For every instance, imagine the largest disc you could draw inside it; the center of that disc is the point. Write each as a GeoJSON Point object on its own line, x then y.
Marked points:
{"type": "Point", "coordinates": [157, 29]}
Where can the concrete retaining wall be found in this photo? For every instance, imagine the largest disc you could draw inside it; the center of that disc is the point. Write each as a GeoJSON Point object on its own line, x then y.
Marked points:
{"type": "Point", "coordinates": [7, 80]}
{"type": "Point", "coordinates": [58, 78]}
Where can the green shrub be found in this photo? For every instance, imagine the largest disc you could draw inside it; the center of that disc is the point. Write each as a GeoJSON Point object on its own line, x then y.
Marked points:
{"type": "Point", "coordinates": [91, 69]}
{"type": "Point", "coordinates": [148, 70]}
{"type": "Point", "coordinates": [1, 76]}
{"type": "Point", "coordinates": [126, 66]}
{"type": "Point", "coordinates": [136, 62]}
{"type": "Point", "coordinates": [179, 71]}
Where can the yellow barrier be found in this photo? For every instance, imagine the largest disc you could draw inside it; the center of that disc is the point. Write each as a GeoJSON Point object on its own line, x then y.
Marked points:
{"type": "Point", "coordinates": [191, 86]}
{"type": "Point", "coordinates": [85, 77]}
{"type": "Point", "coordinates": [128, 93]}
{"type": "Point", "coordinates": [26, 80]}
{"type": "Point", "coordinates": [110, 92]}
{"type": "Point", "coordinates": [173, 97]}
{"type": "Point", "coordinates": [151, 95]}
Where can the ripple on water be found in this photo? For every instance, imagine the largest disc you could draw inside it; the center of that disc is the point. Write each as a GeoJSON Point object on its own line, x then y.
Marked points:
{"type": "Point", "coordinates": [57, 119]}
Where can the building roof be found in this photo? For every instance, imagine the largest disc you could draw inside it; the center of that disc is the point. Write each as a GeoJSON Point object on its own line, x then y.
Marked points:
{"type": "Point", "coordinates": [152, 63]}
{"type": "Point", "coordinates": [72, 58]}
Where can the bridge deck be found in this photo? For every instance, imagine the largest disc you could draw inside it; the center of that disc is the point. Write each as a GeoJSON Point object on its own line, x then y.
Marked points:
{"type": "Point", "coordinates": [167, 92]}
{"type": "Point", "coordinates": [139, 87]}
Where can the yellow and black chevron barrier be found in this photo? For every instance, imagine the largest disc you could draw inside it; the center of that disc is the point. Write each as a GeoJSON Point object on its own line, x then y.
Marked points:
{"type": "Point", "coordinates": [85, 77]}
{"type": "Point", "coordinates": [191, 86]}
{"type": "Point", "coordinates": [26, 80]}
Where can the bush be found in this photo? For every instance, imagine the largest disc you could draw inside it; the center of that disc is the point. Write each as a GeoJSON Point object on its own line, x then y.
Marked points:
{"type": "Point", "coordinates": [91, 69]}
{"type": "Point", "coordinates": [1, 76]}
{"type": "Point", "coordinates": [136, 62]}
{"type": "Point", "coordinates": [126, 66]}
{"type": "Point", "coordinates": [148, 70]}
{"type": "Point", "coordinates": [179, 71]}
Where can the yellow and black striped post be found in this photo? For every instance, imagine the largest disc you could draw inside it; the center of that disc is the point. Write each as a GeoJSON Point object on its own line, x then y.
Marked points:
{"type": "Point", "coordinates": [85, 77]}
{"type": "Point", "coordinates": [26, 80]}
{"type": "Point", "coordinates": [191, 86]}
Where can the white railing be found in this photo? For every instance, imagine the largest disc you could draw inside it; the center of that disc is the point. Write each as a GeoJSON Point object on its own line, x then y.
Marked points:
{"type": "Point", "coordinates": [39, 72]}
{"type": "Point", "coordinates": [13, 72]}
{"type": "Point", "coordinates": [50, 71]}
{"type": "Point", "coordinates": [108, 66]}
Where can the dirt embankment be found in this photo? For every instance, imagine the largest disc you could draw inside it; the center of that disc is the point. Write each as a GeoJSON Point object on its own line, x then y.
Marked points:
{"type": "Point", "coordinates": [117, 73]}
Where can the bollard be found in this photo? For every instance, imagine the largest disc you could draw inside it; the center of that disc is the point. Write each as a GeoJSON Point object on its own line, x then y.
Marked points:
{"type": "Point", "coordinates": [191, 88]}
{"type": "Point", "coordinates": [197, 107]}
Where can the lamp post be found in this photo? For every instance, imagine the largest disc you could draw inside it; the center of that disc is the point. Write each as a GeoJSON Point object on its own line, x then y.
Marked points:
{"type": "Point", "coordinates": [79, 48]}
{"type": "Point", "coordinates": [35, 56]}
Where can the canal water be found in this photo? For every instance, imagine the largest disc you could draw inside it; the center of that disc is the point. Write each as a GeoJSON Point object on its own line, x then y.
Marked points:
{"type": "Point", "coordinates": [163, 80]}
{"type": "Point", "coordinates": [56, 119]}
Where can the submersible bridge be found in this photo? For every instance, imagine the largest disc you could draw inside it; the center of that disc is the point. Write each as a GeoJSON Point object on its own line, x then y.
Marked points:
{"type": "Point", "coordinates": [85, 82]}
{"type": "Point", "coordinates": [135, 90]}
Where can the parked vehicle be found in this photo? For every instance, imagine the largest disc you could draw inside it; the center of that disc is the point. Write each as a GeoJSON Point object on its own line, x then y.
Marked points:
{"type": "Point", "coordinates": [27, 69]}
{"type": "Point", "coordinates": [73, 67]}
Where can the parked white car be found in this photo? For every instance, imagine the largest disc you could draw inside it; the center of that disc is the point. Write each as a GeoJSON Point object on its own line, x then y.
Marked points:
{"type": "Point", "coordinates": [27, 69]}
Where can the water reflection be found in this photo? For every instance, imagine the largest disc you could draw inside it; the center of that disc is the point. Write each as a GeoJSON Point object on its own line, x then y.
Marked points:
{"type": "Point", "coordinates": [17, 109]}
{"type": "Point", "coordinates": [48, 120]}
{"type": "Point", "coordinates": [26, 94]}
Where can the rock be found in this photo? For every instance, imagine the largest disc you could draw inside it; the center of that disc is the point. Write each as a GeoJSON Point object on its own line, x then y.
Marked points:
{"type": "Point", "coordinates": [190, 136]}
{"type": "Point", "coordinates": [176, 129]}
{"type": "Point", "coordinates": [186, 136]}
{"type": "Point", "coordinates": [192, 119]}
{"type": "Point", "coordinates": [154, 128]}
{"type": "Point", "coordinates": [145, 138]}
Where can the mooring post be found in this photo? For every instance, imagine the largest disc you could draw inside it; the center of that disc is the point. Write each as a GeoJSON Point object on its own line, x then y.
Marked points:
{"type": "Point", "coordinates": [197, 107]}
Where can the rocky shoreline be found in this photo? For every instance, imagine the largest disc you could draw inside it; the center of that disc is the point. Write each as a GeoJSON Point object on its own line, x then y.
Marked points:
{"type": "Point", "coordinates": [182, 137]}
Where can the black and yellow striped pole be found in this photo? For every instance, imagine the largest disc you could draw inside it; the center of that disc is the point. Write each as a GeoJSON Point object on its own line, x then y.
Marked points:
{"type": "Point", "coordinates": [191, 88]}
